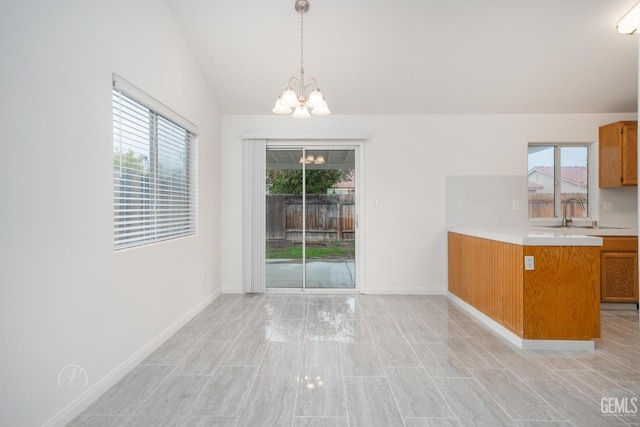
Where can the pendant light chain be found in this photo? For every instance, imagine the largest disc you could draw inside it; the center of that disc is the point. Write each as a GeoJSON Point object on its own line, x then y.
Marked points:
{"type": "Point", "coordinates": [302, 42]}
{"type": "Point", "coordinates": [301, 94]}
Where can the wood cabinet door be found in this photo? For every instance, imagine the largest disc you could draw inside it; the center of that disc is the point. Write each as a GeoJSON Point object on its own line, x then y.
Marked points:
{"type": "Point", "coordinates": [609, 156]}
{"type": "Point", "coordinates": [619, 277]}
{"type": "Point", "coordinates": [618, 154]}
{"type": "Point", "coordinates": [630, 156]}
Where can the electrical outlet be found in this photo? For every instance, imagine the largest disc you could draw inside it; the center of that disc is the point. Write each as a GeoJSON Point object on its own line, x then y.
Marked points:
{"type": "Point", "coordinates": [515, 205]}
{"type": "Point", "coordinates": [608, 206]}
{"type": "Point", "coordinates": [528, 262]}
{"type": "Point", "coordinates": [204, 280]}
{"type": "Point", "coordinates": [460, 205]}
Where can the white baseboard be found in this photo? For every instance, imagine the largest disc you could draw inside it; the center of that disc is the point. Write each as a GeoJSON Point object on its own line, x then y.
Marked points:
{"type": "Point", "coordinates": [406, 290]}
{"type": "Point", "coordinates": [395, 290]}
{"type": "Point", "coordinates": [568, 345]}
{"type": "Point", "coordinates": [232, 290]}
{"type": "Point", "coordinates": [521, 343]}
{"type": "Point", "coordinates": [83, 401]}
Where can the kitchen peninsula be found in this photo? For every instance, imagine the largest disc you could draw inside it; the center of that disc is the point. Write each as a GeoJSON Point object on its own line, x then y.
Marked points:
{"type": "Point", "coordinates": [538, 289]}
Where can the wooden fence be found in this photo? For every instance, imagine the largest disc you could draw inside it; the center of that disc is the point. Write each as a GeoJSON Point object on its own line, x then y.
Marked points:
{"type": "Point", "coordinates": [541, 205]}
{"type": "Point", "coordinates": [332, 216]}
{"type": "Point", "coordinates": [328, 217]}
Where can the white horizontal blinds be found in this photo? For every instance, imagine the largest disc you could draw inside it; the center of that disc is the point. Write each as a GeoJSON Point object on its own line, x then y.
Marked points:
{"type": "Point", "coordinates": [134, 210]}
{"type": "Point", "coordinates": [141, 97]}
{"type": "Point", "coordinates": [154, 175]}
{"type": "Point", "coordinates": [175, 215]}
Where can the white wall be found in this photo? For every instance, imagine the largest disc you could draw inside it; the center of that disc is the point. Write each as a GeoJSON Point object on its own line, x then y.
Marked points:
{"type": "Point", "coordinates": [624, 206]}
{"type": "Point", "coordinates": [407, 160]}
{"type": "Point", "coordinates": [65, 296]}
{"type": "Point", "coordinates": [486, 200]}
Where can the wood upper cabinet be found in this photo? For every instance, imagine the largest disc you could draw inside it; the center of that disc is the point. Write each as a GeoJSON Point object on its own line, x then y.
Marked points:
{"type": "Point", "coordinates": [619, 269]}
{"type": "Point", "coordinates": [618, 154]}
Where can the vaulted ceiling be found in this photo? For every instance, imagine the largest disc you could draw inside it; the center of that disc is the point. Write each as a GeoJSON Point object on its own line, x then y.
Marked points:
{"type": "Point", "coordinates": [418, 56]}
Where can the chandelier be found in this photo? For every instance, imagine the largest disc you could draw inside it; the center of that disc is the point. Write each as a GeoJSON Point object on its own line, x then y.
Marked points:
{"type": "Point", "coordinates": [301, 97]}
{"type": "Point", "coordinates": [311, 160]}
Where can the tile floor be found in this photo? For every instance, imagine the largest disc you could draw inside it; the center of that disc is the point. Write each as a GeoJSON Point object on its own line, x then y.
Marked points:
{"type": "Point", "coordinates": [364, 360]}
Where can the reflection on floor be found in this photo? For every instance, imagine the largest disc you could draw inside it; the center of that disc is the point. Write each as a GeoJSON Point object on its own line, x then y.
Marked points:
{"type": "Point", "coordinates": [325, 274]}
{"type": "Point", "coordinates": [366, 360]}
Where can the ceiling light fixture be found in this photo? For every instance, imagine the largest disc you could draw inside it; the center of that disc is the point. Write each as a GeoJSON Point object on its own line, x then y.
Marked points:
{"type": "Point", "coordinates": [294, 98]}
{"type": "Point", "coordinates": [630, 23]}
{"type": "Point", "coordinates": [310, 160]}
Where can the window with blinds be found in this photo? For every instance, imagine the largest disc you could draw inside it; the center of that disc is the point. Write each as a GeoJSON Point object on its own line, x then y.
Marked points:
{"type": "Point", "coordinates": [153, 174]}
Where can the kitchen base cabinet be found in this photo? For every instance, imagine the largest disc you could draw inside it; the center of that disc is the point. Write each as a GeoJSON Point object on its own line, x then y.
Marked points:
{"type": "Point", "coordinates": [619, 270]}
{"type": "Point", "coordinates": [557, 300]}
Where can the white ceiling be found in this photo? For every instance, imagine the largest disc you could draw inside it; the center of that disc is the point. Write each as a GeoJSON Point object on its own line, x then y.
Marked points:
{"type": "Point", "coordinates": [418, 56]}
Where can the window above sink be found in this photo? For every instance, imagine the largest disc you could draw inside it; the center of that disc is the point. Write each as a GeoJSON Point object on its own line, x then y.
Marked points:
{"type": "Point", "coordinates": [558, 172]}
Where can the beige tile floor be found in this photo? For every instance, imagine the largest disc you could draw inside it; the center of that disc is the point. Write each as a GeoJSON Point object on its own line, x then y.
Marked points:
{"type": "Point", "coordinates": [363, 360]}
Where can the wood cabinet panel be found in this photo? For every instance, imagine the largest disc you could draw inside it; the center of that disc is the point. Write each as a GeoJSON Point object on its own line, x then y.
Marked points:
{"type": "Point", "coordinates": [562, 294]}
{"type": "Point", "coordinates": [619, 243]}
{"type": "Point", "coordinates": [619, 270]}
{"type": "Point", "coordinates": [619, 277]}
{"type": "Point", "coordinates": [558, 300]}
{"type": "Point", "coordinates": [618, 154]}
{"type": "Point", "coordinates": [630, 156]}
{"type": "Point", "coordinates": [488, 275]}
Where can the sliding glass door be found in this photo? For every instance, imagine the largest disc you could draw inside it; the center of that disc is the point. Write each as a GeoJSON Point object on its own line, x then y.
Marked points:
{"type": "Point", "coordinates": [311, 218]}
{"type": "Point", "coordinates": [284, 218]}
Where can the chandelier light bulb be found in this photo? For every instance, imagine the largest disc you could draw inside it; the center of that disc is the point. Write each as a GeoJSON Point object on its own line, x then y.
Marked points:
{"type": "Point", "coordinates": [289, 98]}
{"type": "Point", "coordinates": [301, 112]}
{"type": "Point", "coordinates": [315, 99]}
{"type": "Point", "coordinates": [281, 109]}
{"type": "Point", "coordinates": [322, 110]}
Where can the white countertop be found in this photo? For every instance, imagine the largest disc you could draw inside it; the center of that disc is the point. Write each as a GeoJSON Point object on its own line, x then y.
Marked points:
{"type": "Point", "coordinates": [545, 236]}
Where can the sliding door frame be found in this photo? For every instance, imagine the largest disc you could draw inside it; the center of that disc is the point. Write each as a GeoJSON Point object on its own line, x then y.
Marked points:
{"type": "Point", "coordinates": [306, 143]}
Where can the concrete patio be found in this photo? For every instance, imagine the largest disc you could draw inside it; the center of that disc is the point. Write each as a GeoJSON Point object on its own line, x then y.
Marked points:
{"type": "Point", "coordinates": [320, 274]}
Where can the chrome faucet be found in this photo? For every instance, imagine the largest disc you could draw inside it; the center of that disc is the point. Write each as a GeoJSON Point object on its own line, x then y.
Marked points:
{"type": "Point", "coordinates": [565, 221]}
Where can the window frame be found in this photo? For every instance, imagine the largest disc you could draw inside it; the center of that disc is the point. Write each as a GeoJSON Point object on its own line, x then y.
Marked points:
{"type": "Point", "coordinates": [166, 206]}
{"type": "Point", "coordinates": [557, 165]}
